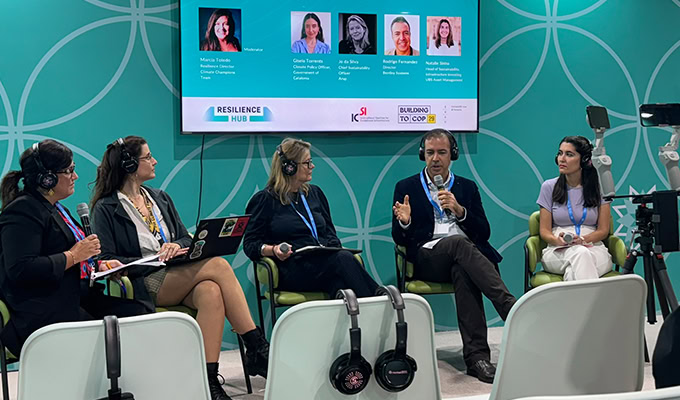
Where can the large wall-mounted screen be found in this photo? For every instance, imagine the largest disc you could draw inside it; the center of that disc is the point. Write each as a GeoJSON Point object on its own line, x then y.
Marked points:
{"type": "Point", "coordinates": [329, 66]}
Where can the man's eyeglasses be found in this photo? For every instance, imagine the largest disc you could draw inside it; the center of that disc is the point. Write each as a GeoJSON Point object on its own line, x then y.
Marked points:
{"type": "Point", "coordinates": [68, 171]}
{"type": "Point", "coordinates": [308, 163]}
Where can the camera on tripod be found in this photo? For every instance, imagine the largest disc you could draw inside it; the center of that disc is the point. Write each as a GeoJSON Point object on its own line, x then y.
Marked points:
{"type": "Point", "coordinates": [660, 221]}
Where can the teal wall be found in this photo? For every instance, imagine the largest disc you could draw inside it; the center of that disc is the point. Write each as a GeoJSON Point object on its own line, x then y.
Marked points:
{"type": "Point", "coordinates": [86, 72]}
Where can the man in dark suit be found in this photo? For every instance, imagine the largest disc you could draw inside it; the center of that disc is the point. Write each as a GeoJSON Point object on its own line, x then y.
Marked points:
{"type": "Point", "coordinates": [440, 219]}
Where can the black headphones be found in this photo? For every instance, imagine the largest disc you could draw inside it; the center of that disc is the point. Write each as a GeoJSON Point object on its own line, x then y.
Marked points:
{"type": "Point", "coordinates": [452, 140]}
{"type": "Point", "coordinates": [289, 167]}
{"type": "Point", "coordinates": [587, 148]}
{"type": "Point", "coordinates": [351, 372]}
{"type": "Point", "coordinates": [394, 369]}
{"type": "Point", "coordinates": [46, 178]}
{"type": "Point", "coordinates": [128, 163]}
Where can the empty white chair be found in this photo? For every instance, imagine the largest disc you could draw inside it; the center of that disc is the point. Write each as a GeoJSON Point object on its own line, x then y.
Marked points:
{"type": "Point", "coordinates": [308, 337]}
{"type": "Point", "coordinates": [568, 338]}
{"type": "Point", "coordinates": [659, 394]}
{"type": "Point", "coordinates": [162, 357]}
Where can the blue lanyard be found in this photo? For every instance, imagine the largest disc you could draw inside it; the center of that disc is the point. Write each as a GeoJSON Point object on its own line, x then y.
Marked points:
{"type": "Point", "coordinates": [77, 233]}
{"type": "Point", "coordinates": [69, 222]}
{"type": "Point", "coordinates": [429, 195]}
{"type": "Point", "coordinates": [577, 226]}
{"type": "Point", "coordinates": [310, 224]}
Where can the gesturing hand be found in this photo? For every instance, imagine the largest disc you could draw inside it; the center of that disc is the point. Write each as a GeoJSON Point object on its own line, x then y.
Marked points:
{"type": "Point", "coordinates": [402, 211]}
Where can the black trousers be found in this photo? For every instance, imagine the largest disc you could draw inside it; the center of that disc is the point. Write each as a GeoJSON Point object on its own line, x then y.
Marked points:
{"type": "Point", "coordinates": [456, 259]}
{"type": "Point", "coordinates": [326, 272]}
{"type": "Point", "coordinates": [94, 304]}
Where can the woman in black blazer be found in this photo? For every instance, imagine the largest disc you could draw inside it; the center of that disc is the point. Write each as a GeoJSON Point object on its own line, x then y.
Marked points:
{"type": "Point", "coordinates": [136, 221]}
{"type": "Point", "coordinates": [45, 258]}
{"type": "Point", "coordinates": [291, 210]}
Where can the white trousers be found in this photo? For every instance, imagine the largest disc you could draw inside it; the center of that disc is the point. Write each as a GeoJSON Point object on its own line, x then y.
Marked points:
{"type": "Point", "coordinates": [577, 262]}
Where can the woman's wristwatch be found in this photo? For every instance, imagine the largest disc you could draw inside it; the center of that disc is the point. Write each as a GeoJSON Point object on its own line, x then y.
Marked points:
{"type": "Point", "coordinates": [264, 246]}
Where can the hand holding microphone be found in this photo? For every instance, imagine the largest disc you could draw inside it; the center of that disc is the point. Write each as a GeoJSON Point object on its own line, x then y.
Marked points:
{"type": "Point", "coordinates": [282, 251]}
{"type": "Point", "coordinates": [447, 199]}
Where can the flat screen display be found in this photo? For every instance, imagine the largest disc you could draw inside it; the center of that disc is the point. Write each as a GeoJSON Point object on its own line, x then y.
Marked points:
{"type": "Point", "coordinates": [329, 66]}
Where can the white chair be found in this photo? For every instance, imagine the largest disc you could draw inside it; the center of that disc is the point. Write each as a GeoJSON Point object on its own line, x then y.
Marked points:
{"type": "Point", "coordinates": [570, 338]}
{"type": "Point", "coordinates": [162, 357]}
{"type": "Point", "coordinates": [308, 337]}
{"type": "Point", "coordinates": [659, 394]}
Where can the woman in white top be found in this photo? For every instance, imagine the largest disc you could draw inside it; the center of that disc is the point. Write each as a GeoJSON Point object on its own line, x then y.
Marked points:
{"type": "Point", "coordinates": [574, 217]}
{"type": "Point", "coordinates": [443, 44]}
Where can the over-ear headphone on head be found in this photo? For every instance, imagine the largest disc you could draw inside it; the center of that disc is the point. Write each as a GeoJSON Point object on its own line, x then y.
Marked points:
{"type": "Point", "coordinates": [351, 372]}
{"type": "Point", "coordinates": [587, 148]}
{"type": "Point", "coordinates": [46, 178]}
{"type": "Point", "coordinates": [394, 369]}
{"type": "Point", "coordinates": [128, 163]}
{"type": "Point", "coordinates": [289, 167]}
{"type": "Point", "coordinates": [452, 141]}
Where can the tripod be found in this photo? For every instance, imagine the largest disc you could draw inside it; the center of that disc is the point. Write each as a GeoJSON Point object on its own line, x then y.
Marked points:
{"type": "Point", "coordinates": [655, 272]}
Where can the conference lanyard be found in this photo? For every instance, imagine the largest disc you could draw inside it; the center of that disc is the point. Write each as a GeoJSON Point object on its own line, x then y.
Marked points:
{"type": "Point", "coordinates": [160, 227]}
{"type": "Point", "coordinates": [429, 195]}
{"type": "Point", "coordinates": [577, 226]}
{"type": "Point", "coordinates": [79, 235]}
{"type": "Point", "coordinates": [310, 223]}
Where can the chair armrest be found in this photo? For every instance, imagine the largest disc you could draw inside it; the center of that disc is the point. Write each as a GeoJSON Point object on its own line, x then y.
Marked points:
{"type": "Point", "coordinates": [400, 262]}
{"type": "Point", "coordinates": [532, 252]}
{"type": "Point", "coordinates": [4, 310]}
{"type": "Point", "coordinates": [266, 267]}
{"type": "Point", "coordinates": [617, 249]}
{"type": "Point", "coordinates": [115, 289]}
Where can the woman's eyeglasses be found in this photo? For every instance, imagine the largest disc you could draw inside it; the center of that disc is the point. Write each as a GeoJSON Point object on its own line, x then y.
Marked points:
{"type": "Point", "coordinates": [308, 163]}
{"type": "Point", "coordinates": [147, 157]}
{"type": "Point", "coordinates": [68, 171]}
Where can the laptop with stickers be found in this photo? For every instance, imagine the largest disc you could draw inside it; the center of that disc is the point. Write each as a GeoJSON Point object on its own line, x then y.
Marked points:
{"type": "Point", "coordinates": [214, 237]}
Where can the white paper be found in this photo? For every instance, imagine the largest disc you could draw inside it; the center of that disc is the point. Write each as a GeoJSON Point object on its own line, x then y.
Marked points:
{"type": "Point", "coordinates": [142, 261]}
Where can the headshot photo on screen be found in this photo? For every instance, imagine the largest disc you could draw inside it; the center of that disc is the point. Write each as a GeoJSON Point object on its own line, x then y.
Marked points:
{"type": "Point", "coordinates": [402, 36]}
{"type": "Point", "coordinates": [357, 33]}
{"type": "Point", "coordinates": [219, 29]}
{"type": "Point", "coordinates": [443, 36]}
{"type": "Point", "coordinates": [310, 32]}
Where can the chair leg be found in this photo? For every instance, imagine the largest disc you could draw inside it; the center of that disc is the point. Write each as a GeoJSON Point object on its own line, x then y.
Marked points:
{"type": "Point", "coordinates": [249, 386]}
{"type": "Point", "coordinates": [259, 299]}
{"type": "Point", "coordinates": [272, 301]}
{"type": "Point", "coordinates": [3, 363]}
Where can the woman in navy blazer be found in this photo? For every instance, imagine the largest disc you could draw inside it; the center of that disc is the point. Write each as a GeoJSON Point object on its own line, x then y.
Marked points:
{"type": "Point", "coordinates": [45, 258]}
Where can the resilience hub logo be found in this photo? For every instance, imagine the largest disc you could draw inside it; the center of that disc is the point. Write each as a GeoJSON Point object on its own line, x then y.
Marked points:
{"type": "Point", "coordinates": [238, 114]}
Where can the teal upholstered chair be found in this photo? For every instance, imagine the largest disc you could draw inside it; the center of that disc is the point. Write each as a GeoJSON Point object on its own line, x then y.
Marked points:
{"type": "Point", "coordinates": [115, 290]}
{"type": "Point", "coordinates": [533, 249]}
{"type": "Point", "coordinates": [407, 284]}
{"type": "Point", "coordinates": [267, 272]}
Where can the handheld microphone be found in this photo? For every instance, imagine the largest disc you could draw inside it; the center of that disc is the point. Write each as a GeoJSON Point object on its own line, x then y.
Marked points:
{"type": "Point", "coordinates": [568, 237]}
{"type": "Point", "coordinates": [284, 247]}
{"type": "Point", "coordinates": [439, 182]}
{"type": "Point", "coordinates": [84, 213]}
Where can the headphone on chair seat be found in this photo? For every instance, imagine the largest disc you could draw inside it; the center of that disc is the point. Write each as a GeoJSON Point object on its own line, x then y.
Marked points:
{"type": "Point", "coordinates": [128, 163]}
{"type": "Point", "coordinates": [452, 141]}
{"type": "Point", "coordinates": [351, 372]}
{"type": "Point", "coordinates": [289, 167]}
{"type": "Point", "coordinates": [46, 178]}
{"type": "Point", "coordinates": [394, 369]}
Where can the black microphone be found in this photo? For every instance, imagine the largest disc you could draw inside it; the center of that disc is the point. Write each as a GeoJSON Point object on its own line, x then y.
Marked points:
{"type": "Point", "coordinates": [84, 213]}
{"type": "Point", "coordinates": [568, 237]}
{"type": "Point", "coordinates": [284, 247]}
{"type": "Point", "coordinates": [439, 182]}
